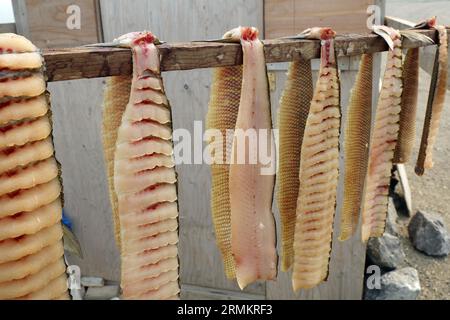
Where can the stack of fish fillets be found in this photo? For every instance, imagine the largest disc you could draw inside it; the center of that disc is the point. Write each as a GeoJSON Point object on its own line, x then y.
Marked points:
{"type": "Point", "coordinates": [31, 249]}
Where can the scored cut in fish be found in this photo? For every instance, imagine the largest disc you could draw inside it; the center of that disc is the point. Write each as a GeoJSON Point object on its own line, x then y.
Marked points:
{"type": "Point", "coordinates": [436, 102]}
{"type": "Point", "coordinates": [138, 149]}
{"type": "Point", "coordinates": [251, 181]}
{"type": "Point", "coordinates": [407, 130]}
{"type": "Point", "coordinates": [318, 172]}
{"type": "Point", "coordinates": [356, 146]}
{"type": "Point", "coordinates": [383, 139]}
{"type": "Point", "coordinates": [292, 114]}
{"type": "Point", "coordinates": [222, 114]}
{"type": "Point", "coordinates": [31, 249]}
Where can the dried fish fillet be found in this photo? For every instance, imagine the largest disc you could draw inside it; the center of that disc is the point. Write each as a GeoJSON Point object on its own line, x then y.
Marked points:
{"type": "Point", "coordinates": [31, 249]}
{"type": "Point", "coordinates": [222, 113]}
{"type": "Point", "coordinates": [138, 150]}
{"type": "Point", "coordinates": [292, 115]}
{"type": "Point", "coordinates": [407, 130]}
{"type": "Point", "coordinates": [435, 105]}
{"type": "Point", "coordinates": [251, 184]}
{"type": "Point", "coordinates": [356, 146]}
{"type": "Point", "coordinates": [319, 166]}
{"type": "Point", "coordinates": [383, 140]}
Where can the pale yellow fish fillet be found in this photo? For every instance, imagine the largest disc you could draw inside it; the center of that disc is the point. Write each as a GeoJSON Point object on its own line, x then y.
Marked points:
{"type": "Point", "coordinates": [253, 238]}
{"type": "Point", "coordinates": [29, 199]}
{"type": "Point", "coordinates": [31, 86]}
{"type": "Point", "coordinates": [31, 264]}
{"type": "Point", "coordinates": [32, 283]}
{"type": "Point", "coordinates": [117, 93]}
{"type": "Point", "coordinates": [19, 61]}
{"type": "Point", "coordinates": [292, 115]}
{"type": "Point", "coordinates": [356, 146]}
{"type": "Point", "coordinates": [23, 109]}
{"type": "Point", "coordinates": [150, 257]}
{"type": "Point", "coordinates": [17, 248]}
{"type": "Point", "coordinates": [29, 176]}
{"type": "Point", "coordinates": [56, 289]}
{"type": "Point", "coordinates": [167, 291]}
{"type": "Point", "coordinates": [24, 132]}
{"type": "Point", "coordinates": [11, 43]}
{"type": "Point", "coordinates": [13, 157]}
{"type": "Point", "coordinates": [314, 222]}
{"type": "Point", "coordinates": [435, 108]}
{"type": "Point", "coordinates": [143, 173]}
{"type": "Point", "coordinates": [382, 144]}
{"type": "Point", "coordinates": [222, 113]}
{"type": "Point", "coordinates": [407, 130]}
{"type": "Point", "coordinates": [30, 222]}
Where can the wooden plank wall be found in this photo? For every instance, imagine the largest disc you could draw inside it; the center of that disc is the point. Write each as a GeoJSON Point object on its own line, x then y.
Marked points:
{"type": "Point", "coordinates": [288, 17]}
{"type": "Point", "coordinates": [77, 117]}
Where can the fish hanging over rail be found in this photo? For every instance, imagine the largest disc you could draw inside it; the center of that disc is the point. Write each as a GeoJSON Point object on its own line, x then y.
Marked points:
{"type": "Point", "coordinates": [31, 249]}
{"type": "Point", "coordinates": [138, 149]}
{"type": "Point", "coordinates": [383, 138]}
{"type": "Point", "coordinates": [292, 114]}
{"type": "Point", "coordinates": [252, 169]}
{"type": "Point", "coordinates": [356, 146]}
{"type": "Point", "coordinates": [318, 173]}
{"type": "Point", "coordinates": [222, 114]}
{"type": "Point", "coordinates": [436, 100]}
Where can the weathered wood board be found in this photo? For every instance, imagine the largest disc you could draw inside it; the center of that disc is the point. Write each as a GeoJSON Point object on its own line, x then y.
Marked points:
{"type": "Point", "coordinates": [289, 17]}
{"type": "Point", "coordinates": [58, 23]}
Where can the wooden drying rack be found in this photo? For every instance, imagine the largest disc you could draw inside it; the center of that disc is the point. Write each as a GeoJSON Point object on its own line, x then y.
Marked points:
{"type": "Point", "coordinates": [92, 62]}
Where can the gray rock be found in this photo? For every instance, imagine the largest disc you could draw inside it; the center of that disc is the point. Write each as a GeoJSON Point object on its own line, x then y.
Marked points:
{"type": "Point", "coordinates": [386, 251]}
{"type": "Point", "coordinates": [102, 293]}
{"type": "Point", "coordinates": [391, 221]}
{"type": "Point", "coordinates": [92, 282]}
{"type": "Point", "coordinates": [401, 284]}
{"type": "Point", "coordinates": [428, 234]}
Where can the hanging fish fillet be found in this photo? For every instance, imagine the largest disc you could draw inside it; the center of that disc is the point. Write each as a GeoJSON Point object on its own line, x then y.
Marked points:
{"type": "Point", "coordinates": [31, 250]}
{"type": "Point", "coordinates": [138, 150]}
{"type": "Point", "coordinates": [407, 130]}
{"type": "Point", "coordinates": [222, 113]}
{"type": "Point", "coordinates": [251, 183]}
{"type": "Point", "coordinates": [383, 139]}
{"type": "Point", "coordinates": [318, 172]}
{"type": "Point", "coordinates": [356, 146]}
{"type": "Point", "coordinates": [435, 103]}
{"type": "Point", "coordinates": [292, 114]}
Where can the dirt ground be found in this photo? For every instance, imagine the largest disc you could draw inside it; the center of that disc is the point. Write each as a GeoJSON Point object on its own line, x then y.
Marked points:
{"type": "Point", "coordinates": [430, 192]}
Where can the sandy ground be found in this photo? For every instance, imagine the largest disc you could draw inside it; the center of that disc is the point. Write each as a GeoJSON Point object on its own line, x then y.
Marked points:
{"type": "Point", "coordinates": [430, 192]}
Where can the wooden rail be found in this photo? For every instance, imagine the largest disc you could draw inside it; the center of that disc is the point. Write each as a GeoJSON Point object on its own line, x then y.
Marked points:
{"type": "Point", "coordinates": [89, 62]}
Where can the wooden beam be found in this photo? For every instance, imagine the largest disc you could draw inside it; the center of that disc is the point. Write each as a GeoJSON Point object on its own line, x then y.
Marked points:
{"type": "Point", "coordinates": [7, 28]}
{"type": "Point", "coordinates": [90, 62]}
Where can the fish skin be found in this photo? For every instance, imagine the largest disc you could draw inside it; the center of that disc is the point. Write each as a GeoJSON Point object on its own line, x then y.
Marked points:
{"type": "Point", "coordinates": [292, 115]}
{"type": "Point", "coordinates": [407, 130]}
{"type": "Point", "coordinates": [356, 147]}
{"type": "Point", "coordinates": [222, 114]}
{"type": "Point", "coordinates": [138, 149]}
{"type": "Point", "coordinates": [312, 243]}
{"type": "Point", "coordinates": [434, 110]}
{"type": "Point", "coordinates": [253, 238]}
{"type": "Point", "coordinates": [382, 144]}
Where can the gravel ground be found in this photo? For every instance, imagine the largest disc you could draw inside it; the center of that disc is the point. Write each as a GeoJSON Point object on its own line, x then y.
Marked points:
{"type": "Point", "coordinates": [430, 192]}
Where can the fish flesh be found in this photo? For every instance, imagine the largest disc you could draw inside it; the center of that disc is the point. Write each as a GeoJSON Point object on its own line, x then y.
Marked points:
{"type": "Point", "coordinates": [292, 114]}
{"type": "Point", "coordinates": [318, 171]}
{"type": "Point", "coordinates": [138, 149]}
{"type": "Point", "coordinates": [436, 103]}
{"type": "Point", "coordinates": [31, 249]}
{"type": "Point", "coordinates": [383, 139]}
{"type": "Point", "coordinates": [222, 114]}
{"type": "Point", "coordinates": [251, 183]}
{"type": "Point", "coordinates": [356, 146]}
{"type": "Point", "coordinates": [407, 130]}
